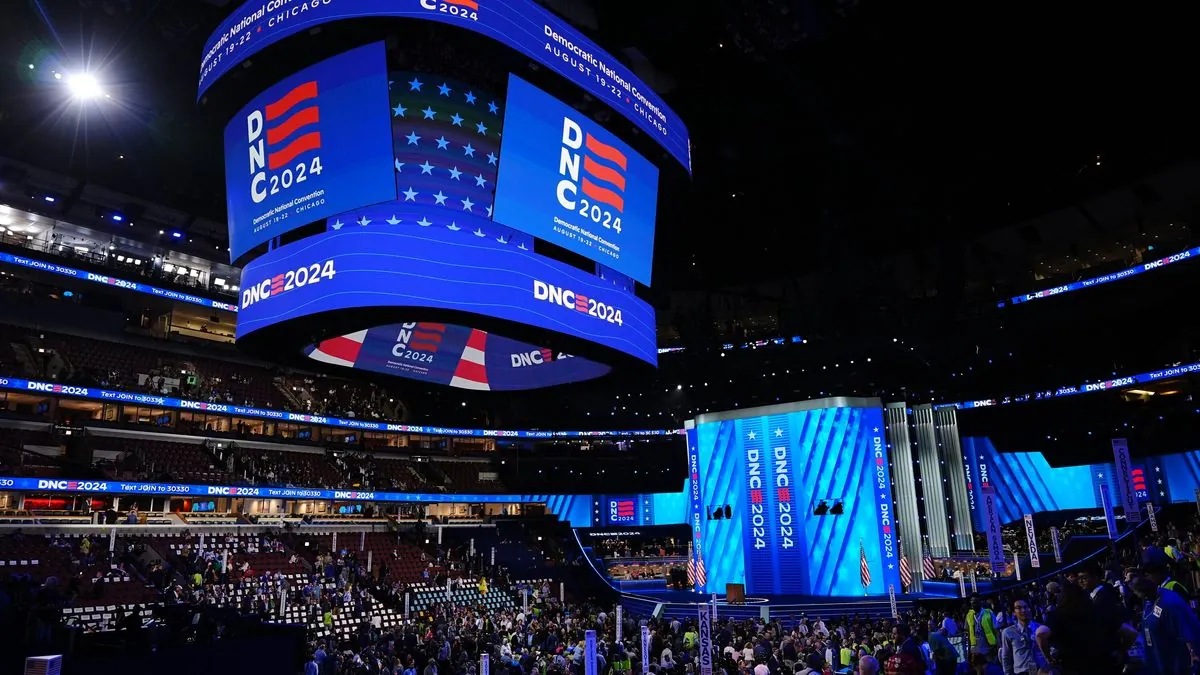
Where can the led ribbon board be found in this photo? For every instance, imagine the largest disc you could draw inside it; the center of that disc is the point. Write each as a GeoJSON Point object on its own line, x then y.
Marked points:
{"type": "Point", "coordinates": [113, 282]}
{"type": "Point", "coordinates": [518, 24]}
{"type": "Point", "coordinates": [314, 145]}
{"type": "Point", "coordinates": [567, 180]}
{"type": "Point", "coordinates": [17, 384]}
{"type": "Point", "coordinates": [1089, 387]}
{"type": "Point", "coordinates": [1108, 278]}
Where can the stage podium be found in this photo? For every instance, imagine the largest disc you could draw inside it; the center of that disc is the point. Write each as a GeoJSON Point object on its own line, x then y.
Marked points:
{"type": "Point", "coordinates": [735, 594]}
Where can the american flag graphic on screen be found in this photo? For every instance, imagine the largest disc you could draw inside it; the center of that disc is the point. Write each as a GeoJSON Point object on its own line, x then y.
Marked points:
{"type": "Point", "coordinates": [446, 147]}
{"type": "Point", "coordinates": [927, 569]}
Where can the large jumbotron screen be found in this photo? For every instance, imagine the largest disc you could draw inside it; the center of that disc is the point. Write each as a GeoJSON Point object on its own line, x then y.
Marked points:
{"type": "Point", "coordinates": [774, 467]}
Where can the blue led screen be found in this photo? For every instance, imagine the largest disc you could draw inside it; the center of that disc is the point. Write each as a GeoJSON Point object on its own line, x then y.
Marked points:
{"type": "Point", "coordinates": [315, 144]}
{"type": "Point", "coordinates": [772, 471]}
{"type": "Point", "coordinates": [567, 180]}
{"type": "Point", "coordinates": [1026, 483]}
{"type": "Point", "coordinates": [455, 356]}
{"type": "Point", "coordinates": [451, 262]}
{"type": "Point", "coordinates": [519, 24]}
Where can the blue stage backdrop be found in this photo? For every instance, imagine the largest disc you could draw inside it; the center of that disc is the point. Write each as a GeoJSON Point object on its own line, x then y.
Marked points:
{"type": "Point", "coordinates": [315, 144]}
{"type": "Point", "coordinates": [565, 179]}
{"type": "Point", "coordinates": [773, 469]}
{"type": "Point", "coordinates": [1026, 483]}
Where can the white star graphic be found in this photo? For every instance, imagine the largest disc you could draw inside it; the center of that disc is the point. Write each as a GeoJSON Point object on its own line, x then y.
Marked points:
{"type": "Point", "coordinates": [467, 204]}
{"type": "Point", "coordinates": [423, 222]}
{"type": "Point", "coordinates": [439, 198]}
{"type": "Point", "coordinates": [430, 113]}
{"type": "Point", "coordinates": [399, 166]}
{"type": "Point", "coordinates": [752, 435]}
{"type": "Point", "coordinates": [393, 220]}
{"type": "Point", "coordinates": [491, 159]}
{"type": "Point", "coordinates": [455, 173]}
{"type": "Point", "coordinates": [470, 98]}
{"type": "Point", "coordinates": [480, 181]}
{"type": "Point", "coordinates": [442, 143]}
{"type": "Point", "coordinates": [410, 195]}
{"type": "Point", "coordinates": [415, 85]}
{"type": "Point", "coordinates": [426, 168]}
{"type": "Point", "coordinates": [468, 150]}
{"type": "Point", "coordinates": [364, 221]}
{"type": "Point", "coordinates": [778, 433]}
{"type": "Point", "coordinates": [456, 120]}
{"type": "Point", "coordinates": [480, 128]}
{"type": "Point", "coordinates": [399, 110]}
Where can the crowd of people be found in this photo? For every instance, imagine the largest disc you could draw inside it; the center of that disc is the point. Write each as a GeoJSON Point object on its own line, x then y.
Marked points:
{"type": "Point", "coordinates": [1127, 612]}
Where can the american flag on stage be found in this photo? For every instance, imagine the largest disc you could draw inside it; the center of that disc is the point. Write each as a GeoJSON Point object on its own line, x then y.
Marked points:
{"type": "Point", "coordinates": [927, 570]}
{"type": "Point", "coordinates": [906, 578]}
{"type": "Point", "coordinates": [695, 572]}
{"type": "Point", "coordinates": [864, 570]}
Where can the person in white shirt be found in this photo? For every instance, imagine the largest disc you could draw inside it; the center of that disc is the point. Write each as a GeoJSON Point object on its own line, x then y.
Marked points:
{"type": "Point", "coordinates": [667, 659]}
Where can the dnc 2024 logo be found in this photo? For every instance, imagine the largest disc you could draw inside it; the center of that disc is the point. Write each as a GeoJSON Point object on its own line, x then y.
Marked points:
{"type": "Point", "coordinates": [621, 511]}
{"type": "Point", "coordinates": [279, 134]}
{"type": "Point", "coordinates": [463, 9]}
{"type": "Point", "coordinates": [593, 177]}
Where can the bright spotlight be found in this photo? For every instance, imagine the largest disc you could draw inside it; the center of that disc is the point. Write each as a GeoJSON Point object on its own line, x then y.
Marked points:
{"type": "Point", "coordinates": [83, 86]}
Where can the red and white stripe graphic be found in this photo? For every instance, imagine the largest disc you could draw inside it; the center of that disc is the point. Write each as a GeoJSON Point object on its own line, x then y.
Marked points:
{"type": "Point", "coordinates": [340, 351]}
{"type": "Point", "coordinates": [471, 371]}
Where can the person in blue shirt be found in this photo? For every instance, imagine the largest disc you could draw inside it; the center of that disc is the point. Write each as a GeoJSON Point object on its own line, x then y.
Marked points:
{"type": "Point", "coordinates": [1170, 629]}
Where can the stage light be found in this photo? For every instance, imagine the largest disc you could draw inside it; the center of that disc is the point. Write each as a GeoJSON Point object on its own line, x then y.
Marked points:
{"type": "Point", "coordinates": [83, 86]}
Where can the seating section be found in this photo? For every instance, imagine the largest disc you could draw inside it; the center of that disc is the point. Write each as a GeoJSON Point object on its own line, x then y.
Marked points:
{"type": "Point", "coordinates": [95, 362]}
{"type": "Point", "coordinates": [464, 476]}
{"type": "Point", "coordinates": [181, 461]}
{"type": "Point", "coordinates": [84, 572]}
{"type": "Point", "coordinates": [278, 467]}
{"type": "Point", "coordinates": [462, 592]}
{"type": "Point", "coordinates": [346, 619]}
{"type": "Point", "coordinates": [95, 618]}
{"type": "Point", "coordinates": [242, 549]}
